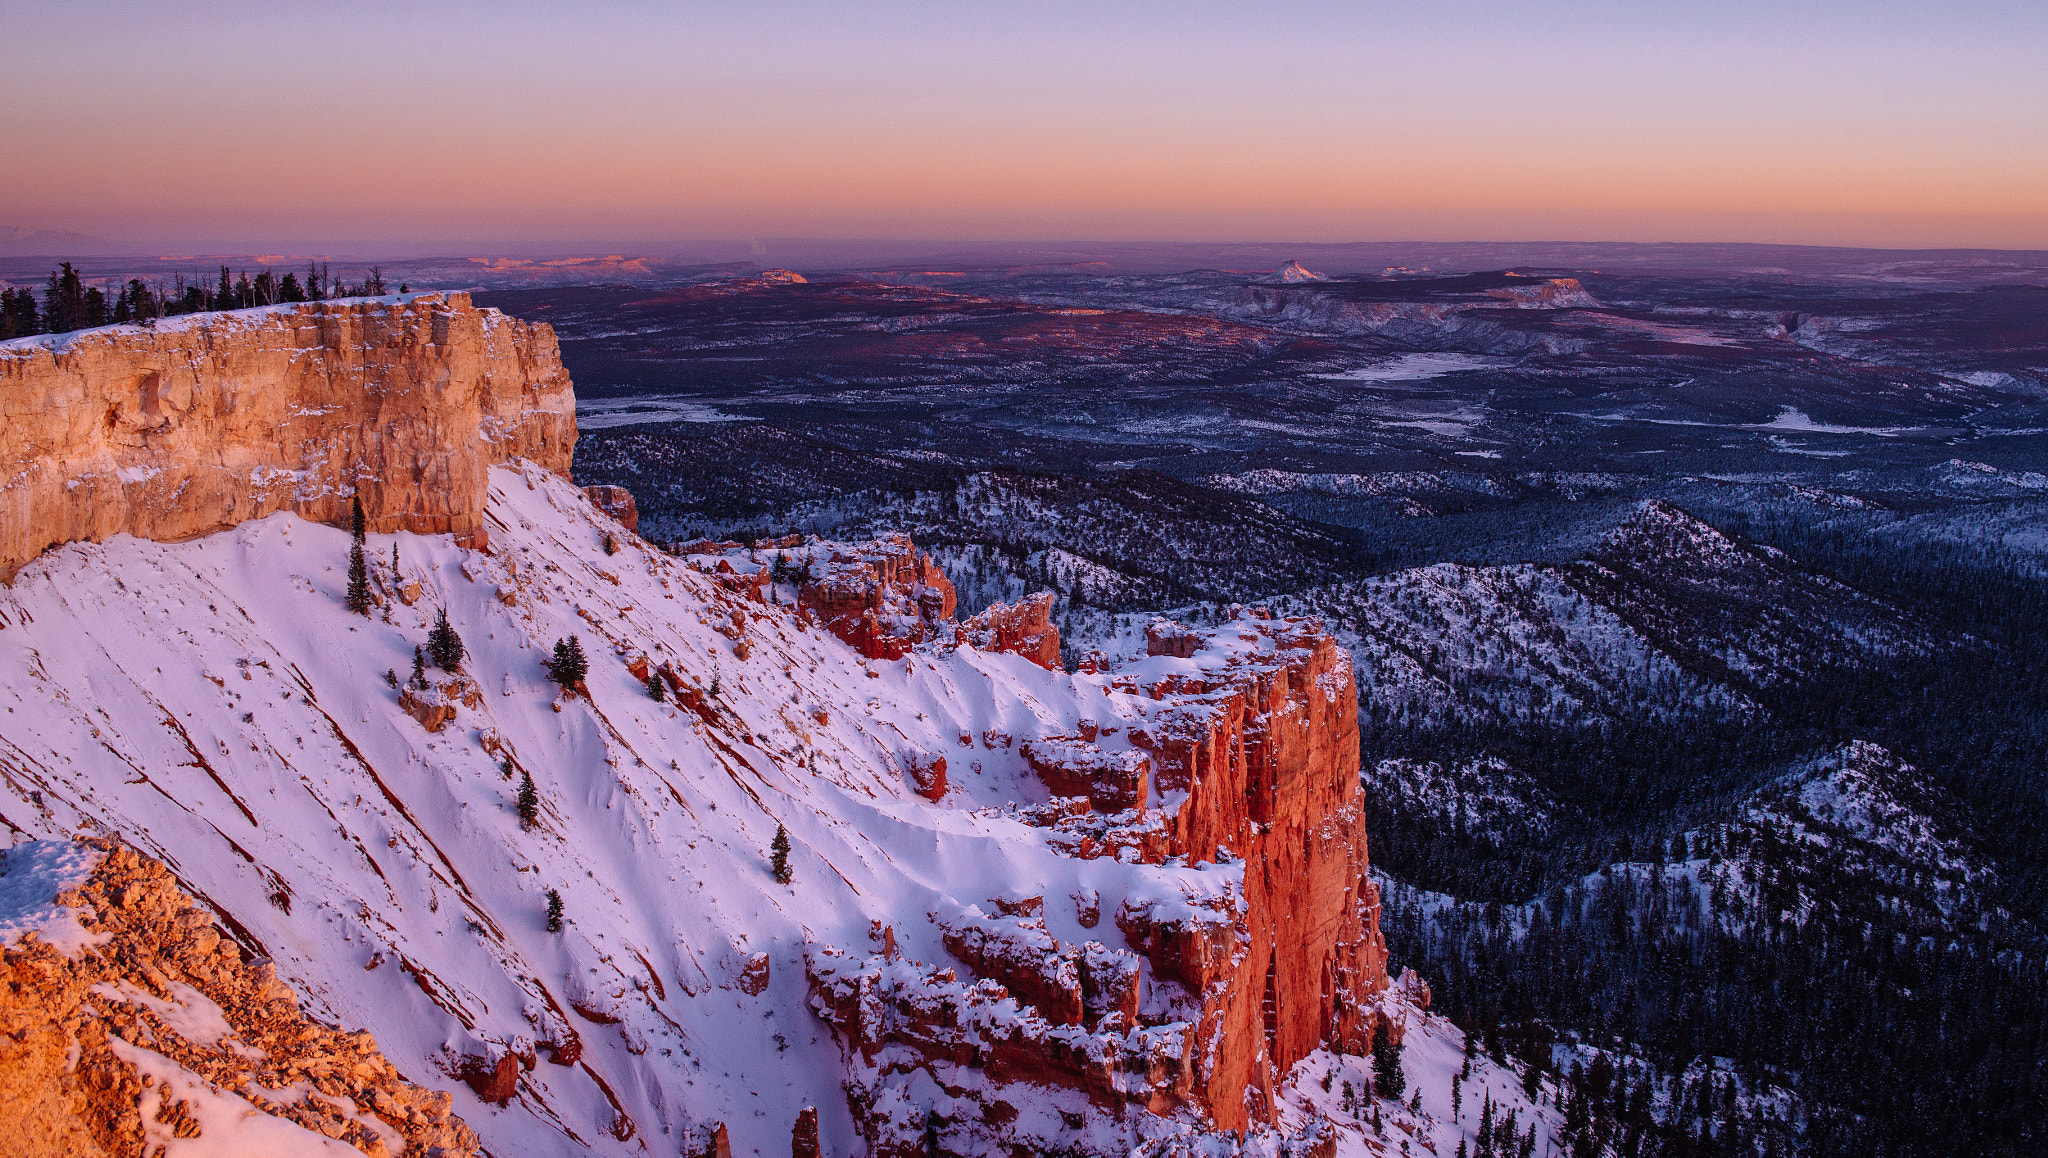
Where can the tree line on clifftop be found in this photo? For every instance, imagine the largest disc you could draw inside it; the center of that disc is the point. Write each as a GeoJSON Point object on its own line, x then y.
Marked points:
{"type": "Point", "coordinates": [69, 304]}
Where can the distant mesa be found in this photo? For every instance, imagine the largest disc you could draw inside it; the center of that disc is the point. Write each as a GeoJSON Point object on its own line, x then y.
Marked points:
{"type": "Point", "coordinates": [1295, 271]}
{"type": "Point", "coordinates": [16, 241]}
{"type": "Point", "coordinates": [783, 277]}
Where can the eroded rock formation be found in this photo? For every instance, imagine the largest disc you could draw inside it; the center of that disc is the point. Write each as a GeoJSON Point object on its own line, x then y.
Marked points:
{"type": "Point", "coordinates": [1241, 760]}
{"type": "Point", "coordinates": [1024, 628]}
{"type": "Point", "coordinates": [883, 598]}
{"type": "Point", "coordinates": [1255, 751]}
{"type": "Point", "coordinates": [129, 1020]}
{"type": "Point", "coordinates": [616, 502]}
{"type": "Point", "coordinates": [208, 420]}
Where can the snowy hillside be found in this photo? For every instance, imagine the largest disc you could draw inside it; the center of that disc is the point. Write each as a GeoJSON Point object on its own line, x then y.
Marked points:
{"type": "Point", "coordinates": [215, 703]}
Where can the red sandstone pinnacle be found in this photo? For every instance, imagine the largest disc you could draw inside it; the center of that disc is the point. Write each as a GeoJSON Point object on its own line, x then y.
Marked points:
{"type": "Point", "coordinates": [1260, 728]}
{"type": "Point", "coordinates": [803, 1137]}
{"type": "Point", "coordinates": [708, 1141]}
{"type": "Point", "coordinates": [927, 774]}
{"type": "Point", "coordinates": [493, 1082]}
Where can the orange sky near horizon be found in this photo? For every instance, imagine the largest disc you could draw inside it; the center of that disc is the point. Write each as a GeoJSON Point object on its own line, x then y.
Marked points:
{"type": "Point", "coordinates": [628, 125]}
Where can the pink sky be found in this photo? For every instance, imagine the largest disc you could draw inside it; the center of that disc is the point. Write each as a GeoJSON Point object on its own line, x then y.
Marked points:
{"type": "Point", "coordinates": [558, 127]}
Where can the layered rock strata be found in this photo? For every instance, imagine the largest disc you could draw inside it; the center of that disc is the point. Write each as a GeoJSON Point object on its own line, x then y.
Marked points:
{"type": "Point", "coordinates": [1240, 760]}
{"type": "Point", "coordinates": [205, 421]}
{"type": "Point", "coordinates": [1254, 753]}
{"type": "Point", "coordinates": [129, 1021]}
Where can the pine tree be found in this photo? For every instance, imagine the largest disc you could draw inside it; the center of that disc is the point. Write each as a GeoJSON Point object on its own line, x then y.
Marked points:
{"type": "Point", "coordinates": [419, 668]}
{"type": "Point", "coordinates": [224, 297]}
{"type": "Point", "coordinates": [567, 666]}
{"type": "Point", "coordinates": [778, 851]}
{"type": "Point", "coordinates": [529, 801]}
{"type": "Point", "coordinates": [1388, 1080]}
{"type": "Point", "coordinates": [554, 911]}
{"type": "Point", "coordinates": [64, 301]}
{"type": "Point", "coordinates": [444, 646]}
{"type": "Point", "coordinates": [655, 688]}
{"type": "Point", "coordinates": [358, 567]}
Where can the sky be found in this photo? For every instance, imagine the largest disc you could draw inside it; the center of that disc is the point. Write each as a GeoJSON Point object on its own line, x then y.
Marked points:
{"type": "Point", "coordinates": [556, 128]}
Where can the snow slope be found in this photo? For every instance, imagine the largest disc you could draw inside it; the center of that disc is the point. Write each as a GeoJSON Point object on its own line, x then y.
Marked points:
{"type": "Point", "coordinates": [214, 703]}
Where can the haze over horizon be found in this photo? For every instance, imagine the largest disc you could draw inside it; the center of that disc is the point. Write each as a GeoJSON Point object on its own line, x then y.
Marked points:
{"type": "Point", "coordinates": [386, 129]}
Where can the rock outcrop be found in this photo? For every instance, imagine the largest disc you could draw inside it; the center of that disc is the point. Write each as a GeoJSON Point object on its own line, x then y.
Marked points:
{"type": "Point", "coordinates": [883, 598]}
{"type": "Point", "coordinates": [208, 420]}
{"type": "Point", "coordinates": [129, 1020]}
{"type": "Point", "coordinates": [616, 502]}
{"type": "Point", "coordinates": [1242, 760]}
{"type": "Point", "coordinates": [1024, 628]}
{"type": "Point", "coordinates": [1253, 752]}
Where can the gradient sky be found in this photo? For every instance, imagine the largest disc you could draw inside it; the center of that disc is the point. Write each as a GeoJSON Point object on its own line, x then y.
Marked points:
{"type": "Point", "coordinates": [560, 127]}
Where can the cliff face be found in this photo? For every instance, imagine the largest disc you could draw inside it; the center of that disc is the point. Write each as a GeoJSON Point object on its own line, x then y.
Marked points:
{"type": "Point", "coordinates": [129, 1022]}
{"type": "Point", "coordinates": [1254, 755]}
{"type": "Point", "coordinates": [207, 421]}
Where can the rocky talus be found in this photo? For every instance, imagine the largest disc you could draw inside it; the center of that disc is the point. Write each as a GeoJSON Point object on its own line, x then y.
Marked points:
{"type": "Point", "coordinates": [208, 420]}
{"type": "Point", "coordinates": [132, 1024]}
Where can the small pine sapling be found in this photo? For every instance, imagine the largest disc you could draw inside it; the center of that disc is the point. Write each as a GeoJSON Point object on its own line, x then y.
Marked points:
{"type": "Point", "coordinates": [391, 676]}
{"type": "Point", "coordinates": [779, 855]}
{"type": "Point", "coordinates": [529, 801]}
{"type": "Point", "coordinates": [419, 668]}
{"type": "Point", "coordinates": [554, 911]}
{"type": "Point", "coordinates": [444, 646]}
{"type": "Point", "coordinates": [655, 688]}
